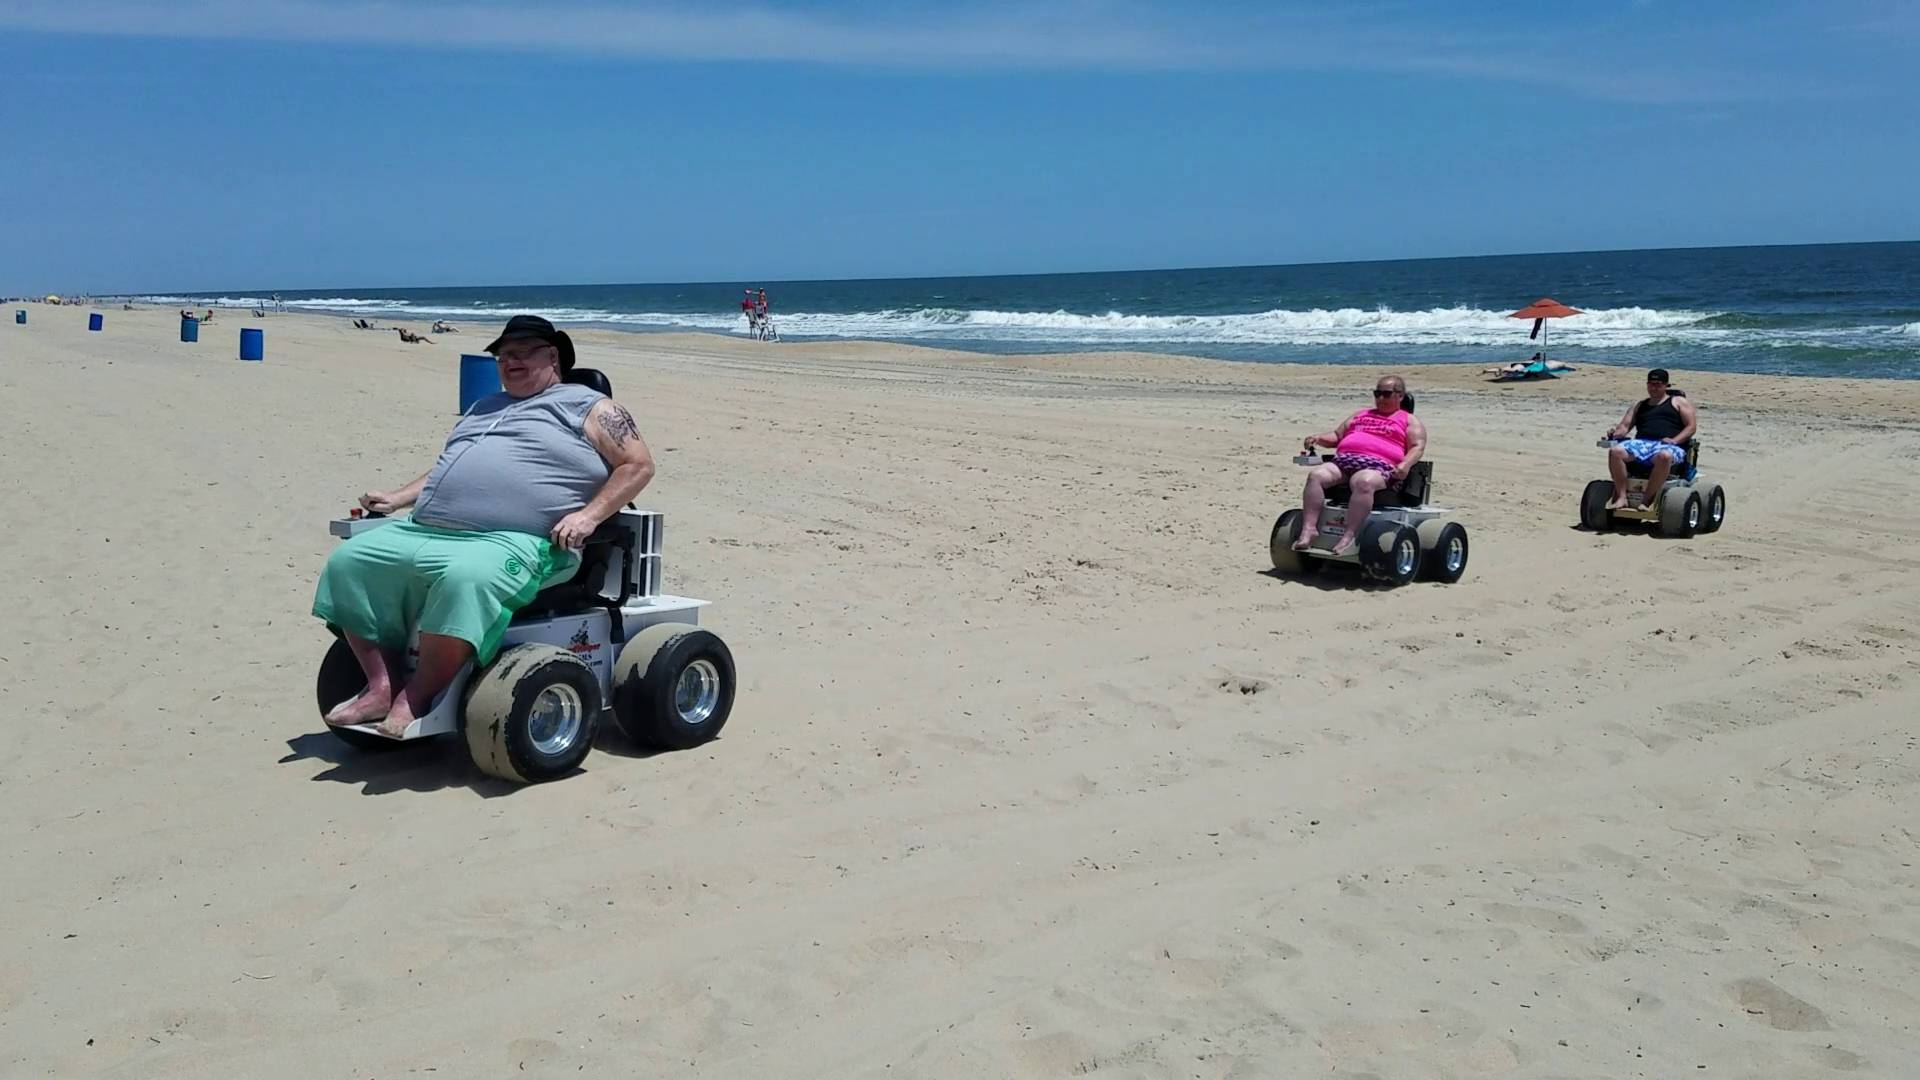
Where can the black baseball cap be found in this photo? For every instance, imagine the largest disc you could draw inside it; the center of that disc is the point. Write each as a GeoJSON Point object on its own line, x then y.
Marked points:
{"type": "Point", "coordinates": [1658, 375]}
{"type": "Point", "coordinates": [533, 326]}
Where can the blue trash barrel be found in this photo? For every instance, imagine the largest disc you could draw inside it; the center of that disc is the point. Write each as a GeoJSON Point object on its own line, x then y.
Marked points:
{"type": "Point", "coordinates": [479, 376]}
{"type": "Point", "coordinates": [253, 343]}
{"type": "Point", "coordinates": [96, 320]}
{"type": "Point", "coordinates": [189, 328]}
{"type": "Point", "coordinates": [20, 316]}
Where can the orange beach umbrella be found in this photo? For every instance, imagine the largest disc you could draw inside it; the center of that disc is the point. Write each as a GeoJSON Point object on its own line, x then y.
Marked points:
{"type": "Point", "coordinates": [1540, 311]}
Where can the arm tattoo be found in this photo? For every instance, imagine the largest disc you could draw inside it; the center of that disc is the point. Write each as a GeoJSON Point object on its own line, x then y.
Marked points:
{"type": "Point", "coordinates": [617, 422]}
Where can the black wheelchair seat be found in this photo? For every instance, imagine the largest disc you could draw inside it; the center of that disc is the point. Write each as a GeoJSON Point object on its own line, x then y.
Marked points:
{"type": "Point", "coordinates": [1415, 491]}
{"type": "Point", "coordinates": [1640, 470]}
{"type": "Point", "coordinates": [591, 378]}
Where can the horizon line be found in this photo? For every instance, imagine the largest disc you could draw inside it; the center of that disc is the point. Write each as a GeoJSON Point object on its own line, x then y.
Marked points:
{"type": "Point", "coordinates": [129, 294]}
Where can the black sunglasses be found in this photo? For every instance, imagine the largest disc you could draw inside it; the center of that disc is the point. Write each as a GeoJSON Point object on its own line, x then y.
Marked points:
{"type": "Point", "coordinates": [1387, 393]}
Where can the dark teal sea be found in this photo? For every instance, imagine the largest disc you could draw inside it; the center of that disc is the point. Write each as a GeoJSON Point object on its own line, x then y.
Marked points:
{"type": "Point", "coordinates": [1839, 309]}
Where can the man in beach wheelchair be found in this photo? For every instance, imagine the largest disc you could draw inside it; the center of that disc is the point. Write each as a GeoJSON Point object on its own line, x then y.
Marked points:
{"type": "Point", "coordinates": [1366, 503]}
{"type": "Point", "coordinates": [1653, 461]}
{"type": "Point", "coordinates": [522, 513]}
{"type": "Point", "coordinates": [1660, 425]}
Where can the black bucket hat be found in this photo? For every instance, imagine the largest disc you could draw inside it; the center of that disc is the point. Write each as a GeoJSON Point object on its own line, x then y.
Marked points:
{"type": "Point", "coordinates": [533, 326]}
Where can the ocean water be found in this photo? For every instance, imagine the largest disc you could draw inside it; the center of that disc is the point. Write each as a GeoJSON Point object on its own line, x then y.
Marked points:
{"type": "Point", "coordinates": [1832, 310]}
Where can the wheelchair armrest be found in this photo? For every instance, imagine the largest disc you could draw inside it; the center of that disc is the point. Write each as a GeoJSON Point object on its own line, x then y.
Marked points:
{"type": "Point", "coordinates": [348, 527]}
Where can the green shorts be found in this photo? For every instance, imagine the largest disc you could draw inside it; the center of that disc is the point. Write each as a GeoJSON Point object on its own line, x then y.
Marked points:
{"type": "Point", "coordinates": [387, 582]}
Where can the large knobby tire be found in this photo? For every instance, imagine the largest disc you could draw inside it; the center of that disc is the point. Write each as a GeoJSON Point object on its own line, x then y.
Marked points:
{"type": "Point", "coordinates": [531, 714]}
{"type": "Point", "coordinates": [1389, 550]}
{"type": "Point", "coordinates": [1593, 506]}
{"type": "Point", "coordinates": [1286, 531]}
{"type": "Point", "coordinates": [1680, 511]}
{"type": "Point", "coordinates": [673, 686]}
{"type": "Point", "coordinates": [1444, 547]}
{"type": "Point", "coordinates": [1714, 509]}
{"type": "Point", "coordinates": [341, 679]}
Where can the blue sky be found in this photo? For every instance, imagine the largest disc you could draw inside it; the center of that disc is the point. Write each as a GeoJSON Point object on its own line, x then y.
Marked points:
{"type": "Point", "coordinates": [209, 144]}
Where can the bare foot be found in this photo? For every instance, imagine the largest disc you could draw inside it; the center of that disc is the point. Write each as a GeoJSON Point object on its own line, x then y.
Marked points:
{"type": "Point", "coordinates": [1305, 541]}
{"type": "Point", "coordinates": [1646, 504]}
{"type": "Point", "coordinates": [1618, 502]}
{"type": "Point", "coordinates": [399, 719]}
{"type": "Point", "coordinates": [1346, 546]}
{"type": "Point", "coordinates": [367, 706]}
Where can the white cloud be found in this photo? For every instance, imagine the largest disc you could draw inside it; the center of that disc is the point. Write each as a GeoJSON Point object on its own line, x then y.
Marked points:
{"type": "Point", "coordinates": [1057, 35]}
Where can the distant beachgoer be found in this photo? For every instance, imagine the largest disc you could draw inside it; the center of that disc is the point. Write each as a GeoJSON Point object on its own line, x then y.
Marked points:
{"type": "Point", "coordinates": [1521, 367]}
{"type": "Point", "coordinates": [208, 317]}
{"type": "Point", "coordinates": [1374, 449]}
{"type": "Point", "coordinates": [412, 338]}
{"type": "Point", "coordinates": [443, 327]}
{"type": "Point", "coordinates": [1661, 423]}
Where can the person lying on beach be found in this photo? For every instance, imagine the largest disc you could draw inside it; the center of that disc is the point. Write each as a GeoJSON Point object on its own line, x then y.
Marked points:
{"type": "Point", "coordinates": [1660, 425]}
{"type": "Point", "coordinates": [1520, 367]}
{"type": "Point", "coordinates": [444, 327]}
{"type": "Point", "coordinates": [526, 476]}
{"type": "Point", "coordinates": [1373, 450]}
{"type": "Point", "coordinates": [412, 338]}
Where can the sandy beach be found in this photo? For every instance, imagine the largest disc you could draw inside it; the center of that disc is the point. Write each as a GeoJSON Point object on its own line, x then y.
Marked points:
{"type": "Point", "coordinates": [1036, 769]}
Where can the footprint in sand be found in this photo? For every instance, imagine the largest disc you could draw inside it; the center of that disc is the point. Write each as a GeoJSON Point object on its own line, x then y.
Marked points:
{"type": "Point", "coordinates": [1835, 1058]}
{"type": "Point", "coordinates": [1554, 922]}
{"type": "Point", "coordinates": [524, 1052]}
{"type": "Point", "coordinates": [1770, 1005]}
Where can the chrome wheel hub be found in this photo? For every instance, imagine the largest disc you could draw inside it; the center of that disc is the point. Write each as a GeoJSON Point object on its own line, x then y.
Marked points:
{"type": "Point", "coordinates": [555, 719]}
{"type": "Point", "coordinates": [696, 693]}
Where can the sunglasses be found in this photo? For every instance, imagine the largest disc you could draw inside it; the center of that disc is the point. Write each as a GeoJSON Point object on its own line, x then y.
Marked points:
{"type": "Point", "coordinates": [522, 353]}
{"type": "Point", "coordinates": [1386, 393]}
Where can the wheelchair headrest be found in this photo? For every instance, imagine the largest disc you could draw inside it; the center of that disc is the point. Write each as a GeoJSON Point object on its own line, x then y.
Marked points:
{"type": "Point", "coordinates": [1406, 401]}
{"type": "Point", "coordinates": [591, 378]}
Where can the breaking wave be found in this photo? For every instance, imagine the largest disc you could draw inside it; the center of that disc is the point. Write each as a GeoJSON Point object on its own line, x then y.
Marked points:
{"type": "Point", "coordinates": [1606, 327]}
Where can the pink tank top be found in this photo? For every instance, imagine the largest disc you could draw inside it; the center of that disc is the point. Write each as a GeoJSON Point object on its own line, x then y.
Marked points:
{"type": "Point", "coordinates": [1384, 437]}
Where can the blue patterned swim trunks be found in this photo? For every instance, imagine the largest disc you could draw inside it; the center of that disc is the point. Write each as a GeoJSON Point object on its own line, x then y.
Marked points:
{"type": "Point", "coordinates": [1645, 450]}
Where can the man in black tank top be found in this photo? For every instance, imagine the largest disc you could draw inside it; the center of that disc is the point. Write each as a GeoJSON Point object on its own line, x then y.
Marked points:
{"type": "Point", "coordinates": [1660, 425]}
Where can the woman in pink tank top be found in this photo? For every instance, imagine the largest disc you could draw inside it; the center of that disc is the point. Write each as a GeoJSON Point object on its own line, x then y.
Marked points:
{"type": "Point", "coordinates": [1373, 449]}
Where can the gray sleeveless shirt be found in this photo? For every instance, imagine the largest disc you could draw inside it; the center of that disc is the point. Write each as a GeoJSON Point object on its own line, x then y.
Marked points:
{"type": "Point", "coordinates": [516, 464]}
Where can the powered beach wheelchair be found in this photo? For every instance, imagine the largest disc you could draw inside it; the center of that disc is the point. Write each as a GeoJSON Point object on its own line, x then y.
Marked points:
{"type": "Point", "coordinates": [1402, 539]}
{"type": "Point", "coordinates": [605, 641]}
{"type": "Point", "coordinates": [1687, 503]}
